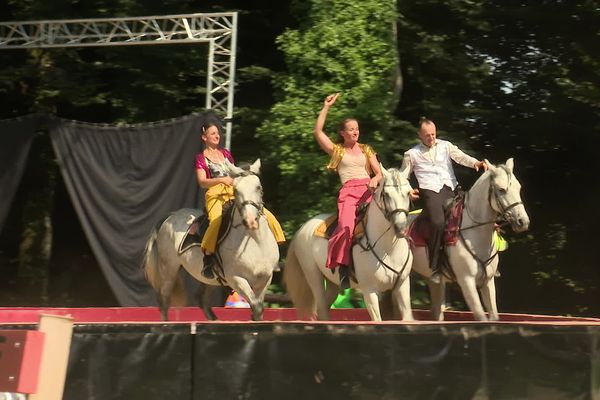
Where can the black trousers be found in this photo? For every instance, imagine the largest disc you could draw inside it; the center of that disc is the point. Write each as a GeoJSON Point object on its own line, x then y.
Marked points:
{"type": "Point", "coordinates": [433, 209]}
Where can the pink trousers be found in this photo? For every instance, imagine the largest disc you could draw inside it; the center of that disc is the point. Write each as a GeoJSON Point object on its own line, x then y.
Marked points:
{"type": "Point", "coordinates": [353, 193]}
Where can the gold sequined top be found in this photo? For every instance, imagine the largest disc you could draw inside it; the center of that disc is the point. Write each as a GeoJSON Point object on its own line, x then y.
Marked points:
{"type": "Point", "coordinates": [338, 154]}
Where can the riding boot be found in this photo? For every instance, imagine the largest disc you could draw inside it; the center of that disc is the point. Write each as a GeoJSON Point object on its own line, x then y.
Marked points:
{"type": "Point", "coordinates": [344, 277]}
{"type": "Point", "coordinates": [436, 273]}
{"type": "Point", "coordinates": [207, 269]}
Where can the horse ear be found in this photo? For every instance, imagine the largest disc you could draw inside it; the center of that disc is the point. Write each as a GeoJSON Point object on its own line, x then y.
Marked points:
{"type": "Point", "coordinates": [491, 166]}
{"type": "Point", "coordinates": [404, 174]}
{"type": "Point", "coordinates": [384, 171]}
{"type": "Point", "coordinates": [510, 164]}
{"type": "Point", "coordinates": [255, 168]}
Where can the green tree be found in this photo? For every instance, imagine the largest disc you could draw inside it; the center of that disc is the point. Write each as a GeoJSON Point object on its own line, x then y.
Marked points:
{"type": "Point", "coordinates": [521, 80]}
{"type": "Point", "coordinates": [340, 46]}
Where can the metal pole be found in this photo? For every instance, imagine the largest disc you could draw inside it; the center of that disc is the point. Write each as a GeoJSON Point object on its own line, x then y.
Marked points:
{"type": "Point", "coordinates": [231, 88]}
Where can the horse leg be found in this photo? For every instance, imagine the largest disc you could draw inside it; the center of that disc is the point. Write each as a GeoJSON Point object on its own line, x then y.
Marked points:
{"type": "Point", "coordinates": [320, 299]}
{"type": "Point", "coordinates": [488, 294]}
{"type": "Point", "coordinates": [242, 286]}
{"type": "Point", "coordinates": [402, 298]}
{"type": "Point", "coordinates": [371, 298]}
{"type": "Point", "coordinates": [469, 290]}
{"type": "Point", "coordinates": [331, 293]}
{"type": "Point", "coordinates": [437, 294]}
{"type": "Point", "coordinates": [316, 282]}
{"type": "Point", "coordinates": [212, 296]}
{"type": "Point", "coordinates": [260, 290]}
{"type": "Point", "coordinates": [168, 281]}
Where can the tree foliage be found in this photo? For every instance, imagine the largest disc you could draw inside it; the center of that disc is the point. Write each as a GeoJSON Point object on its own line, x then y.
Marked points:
{"type": "Point", "coordinates": [521, 80]}
{"type": "Point", "coordinates": [340, 46]}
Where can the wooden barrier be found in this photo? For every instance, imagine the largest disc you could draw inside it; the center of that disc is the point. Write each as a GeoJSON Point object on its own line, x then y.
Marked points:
{"type": "Point", "coordinates": [20, 354]}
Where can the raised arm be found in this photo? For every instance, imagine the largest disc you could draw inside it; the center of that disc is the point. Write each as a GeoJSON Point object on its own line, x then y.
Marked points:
{"type": "Point", "coordinates": [323, 140]}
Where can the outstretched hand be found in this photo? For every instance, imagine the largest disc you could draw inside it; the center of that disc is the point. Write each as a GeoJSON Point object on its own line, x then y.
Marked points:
{"type": "Point", "coordinates": [414, 194]}
{"type": "Point", "coordinates": [480, 164]}
{"type": "Point", "coordinates": [330, 100]}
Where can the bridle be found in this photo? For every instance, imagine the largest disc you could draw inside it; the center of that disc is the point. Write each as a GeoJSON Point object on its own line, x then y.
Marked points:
{"type": "Point", "coordinates": [493, 193]}
{"type": "Point", "coordinates": [384, 209]}
{"type": "Point", "coordinates": [239, 205]}
{"type": "Point", "coordinates": [388, 214]}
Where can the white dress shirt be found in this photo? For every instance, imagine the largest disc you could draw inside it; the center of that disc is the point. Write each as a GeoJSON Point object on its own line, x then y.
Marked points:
{"type": "Point", "coordinates": [433, 165]}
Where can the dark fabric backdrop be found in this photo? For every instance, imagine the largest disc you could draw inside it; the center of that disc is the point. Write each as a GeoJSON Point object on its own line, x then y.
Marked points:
{"type": "Point", "coordinates": [122, 181]}
{"type": "Point", "coordinates": [16, 136]}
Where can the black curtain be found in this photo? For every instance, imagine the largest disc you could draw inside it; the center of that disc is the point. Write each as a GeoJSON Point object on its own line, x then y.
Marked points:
{"type": "Point", "coordinates": [16, 136]}
{"type": "Point", "coordinates": [123, 180]}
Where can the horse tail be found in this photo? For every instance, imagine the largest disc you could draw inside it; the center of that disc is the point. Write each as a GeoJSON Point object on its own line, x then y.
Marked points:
{"type": "Point", "coordinates": [150, 260]}
{"type": "Point", "coordinates": [150, 265]}
{"type": "Point", "coordinates": [297, 285]}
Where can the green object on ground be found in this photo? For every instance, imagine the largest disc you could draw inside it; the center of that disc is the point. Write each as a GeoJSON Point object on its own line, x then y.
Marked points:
{"type": "Point", "coordinates": [348, 299]}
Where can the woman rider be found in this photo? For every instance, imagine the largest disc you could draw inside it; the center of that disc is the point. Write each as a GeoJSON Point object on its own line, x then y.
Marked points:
{"type": "Point", "coordinates": [212, 175]}
{"type": "Point", "coordinates": [359, 172]}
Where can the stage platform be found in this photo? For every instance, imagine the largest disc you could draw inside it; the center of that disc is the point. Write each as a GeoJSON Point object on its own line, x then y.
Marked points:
{"type": "Point", "coordinates": [124, 315]}
{"type": "Point", "coordinates": [128, 353]}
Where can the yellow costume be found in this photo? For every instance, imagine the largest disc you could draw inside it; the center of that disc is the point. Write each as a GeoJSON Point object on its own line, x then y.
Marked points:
{"type": "Point", "coordinates": [215, 197]}
{"type": "Point", "coordinates": [338, 154]}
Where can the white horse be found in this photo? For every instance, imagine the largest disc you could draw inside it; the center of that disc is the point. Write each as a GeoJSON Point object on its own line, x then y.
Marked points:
{"type": "Point", "coordinates": [248, 252]}
{"type": "Point", "coordinates": [382, 257]}
{"type": "Point", "coordinates": [474, 259]}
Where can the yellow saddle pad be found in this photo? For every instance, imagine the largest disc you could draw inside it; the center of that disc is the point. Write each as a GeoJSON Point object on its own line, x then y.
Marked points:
{"type": "Point", "coordinates": [326, 228]}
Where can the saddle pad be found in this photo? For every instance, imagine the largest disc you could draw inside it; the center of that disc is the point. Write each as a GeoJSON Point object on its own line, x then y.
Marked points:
{"type": "Point", "coordinates": [420, 231]}
{"type": "Point", "coordinates": [326, 228]}
{"type": "Point", "coordinates": [194, 234]}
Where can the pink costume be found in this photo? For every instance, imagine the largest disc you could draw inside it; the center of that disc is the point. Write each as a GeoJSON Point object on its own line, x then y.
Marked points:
{"type": "Point", "coordinates": [354, 173]}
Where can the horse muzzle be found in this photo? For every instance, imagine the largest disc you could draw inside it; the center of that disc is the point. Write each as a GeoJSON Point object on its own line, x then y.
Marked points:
{"type": "Point", "coordinates": [399, 223]}
{"type": "Point", "coordinates": [519, 224]}
{"type": "Point", "coordinates": [251, 223]}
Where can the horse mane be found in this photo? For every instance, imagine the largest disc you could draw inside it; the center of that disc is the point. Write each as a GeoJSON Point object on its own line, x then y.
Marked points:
{"type": "Point", "coordinates": [482, 180]}
{"type": "Point", "coordinates": [396, 175]}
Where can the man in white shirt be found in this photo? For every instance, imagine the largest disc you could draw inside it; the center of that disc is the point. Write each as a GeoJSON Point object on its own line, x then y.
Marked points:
{"type": "Point", "coordinates": [431, 161]}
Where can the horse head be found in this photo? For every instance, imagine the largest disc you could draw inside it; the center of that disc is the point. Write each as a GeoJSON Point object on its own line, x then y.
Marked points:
{"type": "Point", "coordinates": [505, 195]}
{"type": "Point", "coordinates": [248, 193]}
{"type": "Point", "coordinates": [392, 198]}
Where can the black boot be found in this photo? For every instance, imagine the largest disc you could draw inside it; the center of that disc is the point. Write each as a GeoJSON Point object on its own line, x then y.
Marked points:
{"type": "Point", "coordinates": [207, 269]}
{"type": "Point", "coordinates": [436, 269]}
{"type": "Point", "coordinates": [344, 277]}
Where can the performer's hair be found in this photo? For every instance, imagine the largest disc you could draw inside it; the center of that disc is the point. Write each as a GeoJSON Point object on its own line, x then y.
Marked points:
{"type": "Point", "coordinates": [424, 121]}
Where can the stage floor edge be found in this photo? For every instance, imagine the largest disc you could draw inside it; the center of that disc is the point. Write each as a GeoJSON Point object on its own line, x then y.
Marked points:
{"type": "Point", "coordinates": [116, 315]}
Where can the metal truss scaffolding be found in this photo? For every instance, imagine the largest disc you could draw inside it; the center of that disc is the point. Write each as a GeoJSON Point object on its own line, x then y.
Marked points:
{"type": "Point", "coordinates": [219, 30]}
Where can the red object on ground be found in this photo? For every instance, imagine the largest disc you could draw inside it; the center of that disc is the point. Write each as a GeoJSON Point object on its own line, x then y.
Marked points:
{"type": "Point", "coordinates": [20, 356]}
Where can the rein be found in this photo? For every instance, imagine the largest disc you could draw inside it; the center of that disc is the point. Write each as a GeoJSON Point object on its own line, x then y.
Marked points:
{"type": "Point", "coordinates": [236, 207]}
{"type": "Point", "coordinates": [371, 247]}
{"type": "Point", "coordinates": [492, 192]}
{"type": "Point", "coordinates": [240, 206]}
{"type": "Point", "coordinates": [389, 214]}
